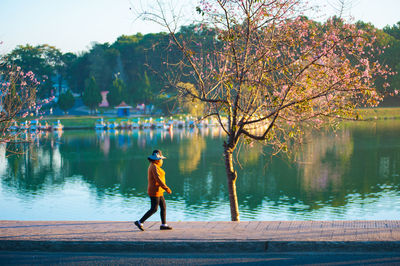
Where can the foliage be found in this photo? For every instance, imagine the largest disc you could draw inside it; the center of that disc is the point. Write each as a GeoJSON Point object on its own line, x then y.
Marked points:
{"type": "Point", "coordinates": [271, 72]}
{"type": "Point", "coordinates": [392, 54]}
{"type": "Point", "coordinates": [77, 72]}
{"type": "Point", "coordinates": [66, 101]}
{"type": "Point", "coordinates": [17, 99]}
{"type": "Point", "coordinates": [64, 69]}
{"type": "Point", "coordinates": [117, 92]}
{"type": "Point", "coordinates": [194, 106]}
{"type": "Point", "coordinates": [388, 57]}
{"type": "Point", "coordinates": [141, 61]}
{"type": "Point", "coordinates": [91, 95]}
{"type": "Point", "coordinates": [144, 93]}
{"type": "Point", "coordinates": [393, 30]}
{"type": "Point", "coordinates": [102, 64]}
{"type": "Point", "coordinates": [165, 103]}
{"type": "Point", "coordinates": [43, 60]}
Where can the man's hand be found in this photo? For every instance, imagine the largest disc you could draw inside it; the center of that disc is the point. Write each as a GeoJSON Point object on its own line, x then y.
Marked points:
{"type": "Point", "coordinates": [168, 190]}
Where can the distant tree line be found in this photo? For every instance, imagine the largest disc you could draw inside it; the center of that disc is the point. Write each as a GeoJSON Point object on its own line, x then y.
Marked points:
{"type": "Point", "coordinates": [134, 69]}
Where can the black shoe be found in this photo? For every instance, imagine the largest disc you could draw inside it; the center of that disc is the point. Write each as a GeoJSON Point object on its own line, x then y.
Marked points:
{"type": "Point", "coordinates": [140, 226]}
{"type": "Point", "coordinates": [165, 227]}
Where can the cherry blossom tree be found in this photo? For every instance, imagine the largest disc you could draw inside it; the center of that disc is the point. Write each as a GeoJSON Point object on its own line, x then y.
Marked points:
{"type": "Point", "coordinates": [17, 100]}
{"type": "Point", "coordinates": [270, 72]}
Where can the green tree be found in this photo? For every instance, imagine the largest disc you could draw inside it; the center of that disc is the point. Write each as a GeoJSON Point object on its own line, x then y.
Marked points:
{"type": "Point", "coordinates": [392, 56]}
{"type": "Point", "coordinates": [103, 64]}
{"type": "Point", "coordinates": [43, 60]}
{"type": "Point", "coordinates": [393, 30]}
{"type": "Point", "coordinates": [68, 60]}
{"type": "Point", "coordinates": [128, 48]}
{"type": "Point", "coordinates": [66, 101]}
{"type": "Point", "coordinates": [144, 93]}
{"type": "Point", "coordinates": [117, 93]}
{"type": "Point", "coordinates": [91, 95]}
{"type": "Point", "coordinates": [77, 72]}
{"type": "Point", "coordinates": [142, 61]}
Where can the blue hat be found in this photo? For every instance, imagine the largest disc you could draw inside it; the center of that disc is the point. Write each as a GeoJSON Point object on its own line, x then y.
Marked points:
{"type": "Point", "coordinates": [157, 155]}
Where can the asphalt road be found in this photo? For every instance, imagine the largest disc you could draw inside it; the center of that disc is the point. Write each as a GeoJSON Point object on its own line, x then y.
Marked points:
{"type": "Point", "coordinates": [317, 258]}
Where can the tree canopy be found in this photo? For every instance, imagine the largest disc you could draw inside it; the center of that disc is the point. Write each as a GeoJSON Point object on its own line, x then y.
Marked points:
{"type": "Point", "coordinates": [91, 95]}
{"type": "Point", "coordinates": [66, 101]}
{"type": "Point", "coordinates": [271, 72]}
{"type": "Point", "coordinates": [140, 61]}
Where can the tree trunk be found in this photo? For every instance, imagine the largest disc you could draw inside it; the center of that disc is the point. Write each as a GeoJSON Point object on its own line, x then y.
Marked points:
{"type": "Point", "coordinates": [231, 176]}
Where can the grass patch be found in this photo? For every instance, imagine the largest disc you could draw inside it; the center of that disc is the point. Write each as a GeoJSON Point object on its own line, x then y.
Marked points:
{"type": "Point", "coordinates": [379, 113]}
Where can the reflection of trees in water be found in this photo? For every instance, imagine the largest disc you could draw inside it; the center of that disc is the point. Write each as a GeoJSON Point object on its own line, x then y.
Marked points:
{"type": "Point", "coordinates": [328, 168]}
{"type": "Point", "coordinates": [190, 152]}
{"type": "Point", "coordinates": [376, 158]}
{"type": "Point", "coordinates": [109, 161]}
{"type": "Point", "coordinates": [35, 168]}
{"type": "Point", "coordinates": [249, 154]}
{"type": "Point", "coordinates": [358, 159]}
{"type": "Point", "coordinates": [323, 159]}
{"type": "Point", "coordinates": [3, 160]}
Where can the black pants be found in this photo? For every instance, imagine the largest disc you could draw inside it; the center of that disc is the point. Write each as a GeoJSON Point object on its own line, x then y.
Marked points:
{"type": "Point", "coordinates": [155, 202]}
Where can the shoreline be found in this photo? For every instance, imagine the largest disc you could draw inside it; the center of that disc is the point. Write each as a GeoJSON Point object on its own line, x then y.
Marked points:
{"type": "Point", "coordinates": [89, 121]}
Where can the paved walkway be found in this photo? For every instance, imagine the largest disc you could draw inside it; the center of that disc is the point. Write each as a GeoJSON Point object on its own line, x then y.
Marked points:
{"type": "Point", "coordinates": [201, 236]}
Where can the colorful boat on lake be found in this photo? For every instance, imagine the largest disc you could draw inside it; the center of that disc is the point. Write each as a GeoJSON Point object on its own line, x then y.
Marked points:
{"type": "Point", "coordinates": [112, 124]}
{"type": "Point", "coordinates": [44, 125]}
{"type": "Point", "coordinates": [57, 126]}
{"type": "Point", "coordinates": [100, 125]}
{"type": "Point", "coordinates": [135, 123]}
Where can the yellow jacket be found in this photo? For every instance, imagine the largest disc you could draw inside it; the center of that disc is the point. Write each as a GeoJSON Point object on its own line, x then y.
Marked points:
{"type": "Point", "coordinates": [156, 180]}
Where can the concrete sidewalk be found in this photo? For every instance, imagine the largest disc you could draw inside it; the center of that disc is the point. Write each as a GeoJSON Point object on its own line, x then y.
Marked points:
{"type": "Point", "coordinates": [276, 236]}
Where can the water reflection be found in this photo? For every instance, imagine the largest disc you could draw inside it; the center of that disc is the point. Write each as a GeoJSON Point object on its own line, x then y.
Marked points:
{"type": "Point", "coordinates": [190, 151]}
{"type": "Point", "coordinates": [101, 175]}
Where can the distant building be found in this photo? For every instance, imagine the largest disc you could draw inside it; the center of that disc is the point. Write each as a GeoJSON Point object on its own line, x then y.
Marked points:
{"type": "Point", "coordinates": [123, 109]}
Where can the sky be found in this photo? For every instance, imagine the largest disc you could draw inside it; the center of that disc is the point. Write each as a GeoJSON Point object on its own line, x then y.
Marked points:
{"type": "Point", "coordinates": [73, 25]}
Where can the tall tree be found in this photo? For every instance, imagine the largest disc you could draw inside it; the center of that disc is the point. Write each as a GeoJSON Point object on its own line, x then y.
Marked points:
{"type": "Point", "coordinates": [103, 64]}
{"type": "Point", "coordinates": [117, 92]}
{"type": "Point", "coordinates": [66, 101]}
{"type": "Point", "coordinates": [77, 72]}
{"type": "Point", "coordinates": [144, 93]}
{"type": "Point", "coordinates": [91, 94]}
{"type": "Point", "coordinates": [68, 60]}
{"type": "Point", "coordinates": [271, 72]}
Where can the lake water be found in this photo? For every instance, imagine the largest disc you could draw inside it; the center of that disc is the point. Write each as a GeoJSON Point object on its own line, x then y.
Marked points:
{"type": "Point", "coordinates": [352, 174]}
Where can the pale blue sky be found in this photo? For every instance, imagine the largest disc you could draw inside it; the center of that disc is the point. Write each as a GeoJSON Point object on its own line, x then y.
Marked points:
{"type": "Point", "coordinates": [72, 25]}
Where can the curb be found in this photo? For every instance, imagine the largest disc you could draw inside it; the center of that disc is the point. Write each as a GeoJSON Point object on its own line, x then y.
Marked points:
{"type": "Point", "coordinates": [195, 246]}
